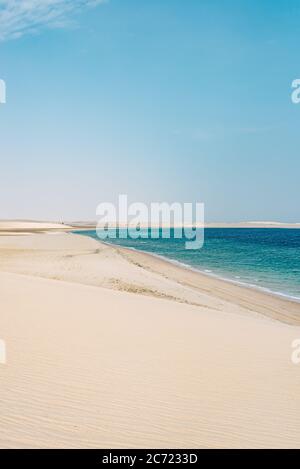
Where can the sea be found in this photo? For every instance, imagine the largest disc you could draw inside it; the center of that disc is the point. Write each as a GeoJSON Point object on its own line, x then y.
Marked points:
{"type": "Point", "coordinates": [267, 259]}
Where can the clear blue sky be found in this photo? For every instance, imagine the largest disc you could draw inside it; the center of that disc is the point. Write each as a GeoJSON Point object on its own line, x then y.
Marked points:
{"type": "Point", "coordinates": [164, 100]}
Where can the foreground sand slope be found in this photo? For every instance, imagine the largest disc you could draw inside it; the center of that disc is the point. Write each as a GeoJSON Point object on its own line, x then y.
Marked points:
{"type": "Point", "coordinates": [89, 366]}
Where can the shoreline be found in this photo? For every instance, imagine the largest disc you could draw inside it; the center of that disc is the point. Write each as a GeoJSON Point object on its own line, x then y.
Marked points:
{"type": "Point", "coordinates": [285, 300]}
{"type": "Point", "coordinates": [265, 290]}
{"type": "Point", "coordinates": [253, 299]}
{"type": "Point", "coordinates": [269, 305]}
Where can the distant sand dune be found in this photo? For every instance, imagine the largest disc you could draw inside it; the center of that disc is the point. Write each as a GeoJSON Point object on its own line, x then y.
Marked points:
{"type": "Point", "coordinates": [25, 227]}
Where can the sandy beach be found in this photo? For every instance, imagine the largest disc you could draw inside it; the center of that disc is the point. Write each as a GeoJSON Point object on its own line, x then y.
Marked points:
{"type": "Point", "coordinates": [111, 348]}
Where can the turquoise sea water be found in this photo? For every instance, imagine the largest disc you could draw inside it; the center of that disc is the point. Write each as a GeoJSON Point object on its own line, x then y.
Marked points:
{"type": "Point", "coordinates": [267, 259]}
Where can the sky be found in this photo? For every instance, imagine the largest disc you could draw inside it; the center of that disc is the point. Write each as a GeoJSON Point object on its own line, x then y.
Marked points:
{"type": "Point", "coordinates": [163, 100]}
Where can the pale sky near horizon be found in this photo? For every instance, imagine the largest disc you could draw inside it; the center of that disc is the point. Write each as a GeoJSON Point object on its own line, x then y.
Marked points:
{"type": "Point", "coordinates": [163, 100]}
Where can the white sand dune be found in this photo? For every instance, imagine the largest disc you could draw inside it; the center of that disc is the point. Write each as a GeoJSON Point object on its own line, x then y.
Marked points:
{"type": "Point", "coordinates": [14, 227]}
{"type": "Point", "coordinates": [110, 348]}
